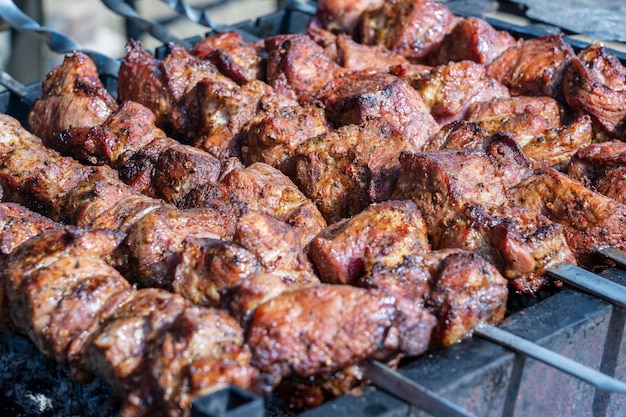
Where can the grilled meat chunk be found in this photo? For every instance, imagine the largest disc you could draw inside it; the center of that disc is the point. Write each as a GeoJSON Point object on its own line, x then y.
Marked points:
{"type": "Point", "coordinates": [261, 187]}
{"type": "Point", "coordinates": [343, 15]}
{"type": "Point", "coordinates": [460, 288]}
{"type": "Point", "coordinates": [472, 39]}
{"type": "Point", "coordinates": [325, 328]}
{"type": "Point", "coordinates": [72, 95]}
{"type": "Point", "coordinates": [412, 28]}
{"type": "Point", "coordinates": [456, 135]}
{"type": "Point", "coordinates": [613, 184]}
{"type": "Point", "coordinates": [449, 90]}
{"type": "Point", "coordinates": [382, 233]}
{"type": "Point", "coordinates": [524, 117]}
{"type": "Point", "coordinates": [297, 67]}
{"type": "Point", "coordinates": [590, 220]}
{"type": "Point", "coordinates": [463, 198]}
{"type": "Point", "coordinates": [533, 67]}
{"type": "Point", "coordinates": [272, 136]}
{"type": "Point", "coordinates": [346, 170]}
{"type": "Point", "coordinates": [360, 57]}
{"type": "Point", "coordinates": [234, 57]}
{"type": "Point", "coordinates": [17, 225]}
{"type": "Point", "coordinates": [362, 96]}
{"type": "Point", "coordinates": [594, 83]}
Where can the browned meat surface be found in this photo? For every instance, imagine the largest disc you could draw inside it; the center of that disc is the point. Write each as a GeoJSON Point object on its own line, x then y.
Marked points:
{"type": "Point", "coordinates": [263, 259]}
{"type": "Point", "coordinates": [449, 90]}
{"type": "Point", "coordinates": [555, 147]}
{"type": "Point", "coordinates": [463, 198]}
{"type": "Point", "coordinates": [272, 136]}
{"type": "Point", "coordinates": [382, 233]}
{"type": "Point", "coordinates": [471, 39]}
{"type": "Point", "coordinates": [591, 162]}
{"type": "Point", "coordinates": [613, 184]}
{"type": "Point", "coordinates": [72, 95]}
{"type": "Point", "coordinates": [234, 57]}
{"type": "Point", "coordinates": [362, 96]}
{"type": "Point", "coordinates": [119, 137]}
{"type": "Point", "coordinates": [156, 242]}
{"type": "Point", "coordinates": [261, 187]}
{"type": "Point", "coordinates": [524, 117]}
{"type": "Point", "coordinates": [534, 67]}
{"type": "Point", "coordinates": [590, 220]}
{"type": "Point", "coordinates": [460, 288]}
{"type": "Point", "coordinates": [413, 28]}
{"type": "Point", "coordinates": [297, 67]}
{"type": "Point", "coordinates": [17, 224]}
{"type": "Point", "coordinates": [359, 57]}
{"type": "Point", "coordinates": [57, 286]}
{"type": "Point", "coordinates": [163, 82]}
{"type": "Point", "coordinates": [325, 328]}
{"type": "Point", "coordinates": [456, 135]}
{"type": "Point", "coordinates": [595, 84]}
{"type": "Point", "coordinates": [345, 170]}
{"type": "Point", "coordinates": [342, 15]}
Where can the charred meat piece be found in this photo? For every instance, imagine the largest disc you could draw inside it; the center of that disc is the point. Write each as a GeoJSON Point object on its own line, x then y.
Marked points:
{"type": "Point", "coordinates": [457, 135]}
{"type": "Point", "coordinates": [449, 90]}
{"type": "Point", "coordinates": [261, 187]}
{"type": "Point", "coordinates": [343, 15]}
{"type": "Point", "coordinates": [119, 137]}
{"type": "Point", "coordinates": [413, 28]}
{"type": "Point", "coordinates": [471, 39]}
{"type": "Point", "coordinates": [72, 96]}
{"type": "Point", "coordinates": [613, 184]}
{"type": "Point", "coordinates": [590, 219]}
{"type": "Point", "coordinates": [325, 328]}
{"type": "Point", "coordinates": [163, 82]}
{"type": "Point", "coordinates": [17, 225]}
{"type": "Point", "coordinates": [363, 96]}
{"type": "Point", "coordinates": [263, 259]}
{"type": "Point", "coordinates": [359, 57]}
{"type": "Point", "coordinates": [234, 57]}
{"type": "Point", "coordinates": [272, 136]}
{"type": "Point", "coordinates": [595, 84]}
{"type": "Point", "coordinates": [460, 288]}
{"type": "Point", "coordinates": [297, 67]}
{"type": "Point", "coordinates": [524, 117]}
{"type": "Point", "coordinates": [591, 162]}
{"type": "Point", "coordinates": [382, 233]}
{"type": "Point", "coordinates": [464, 200]}
{"type": "Point", "coordinates": [534, 67]}
{"type": "Point", "coordinates": [345, 170]}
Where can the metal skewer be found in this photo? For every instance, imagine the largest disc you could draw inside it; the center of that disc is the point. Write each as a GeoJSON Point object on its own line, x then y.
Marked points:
{"type": "Point", "coordinates": [57, 42]}
{"type": "Point", "coordinates": [410, 391]}
{"type": "Point", "coordinates": [533, 350]}
{"type": "Point", "coordinates": [615, 254]}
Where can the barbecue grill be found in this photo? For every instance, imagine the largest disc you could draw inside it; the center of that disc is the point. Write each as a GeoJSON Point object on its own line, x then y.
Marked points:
{"type": "Point", "coordinates": [477, 375]}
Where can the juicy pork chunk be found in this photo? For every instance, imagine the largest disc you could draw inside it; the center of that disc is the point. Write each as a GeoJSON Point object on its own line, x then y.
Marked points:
{"type": "Point", "coordinates": [600, 166]}
{"type": "Point", "coordinates": [460, 288]}
{"type": "Point", "coordinates": [345, 170]}
{"type": "Point", "coordinates": [522, 116]}
{"type": "Point", "coordinates": [72, 95]}
{"type": "Point", "coordinates": [362, 96]}
{"type": "Point", "coordinates": [261, 187]}
{"type": "Point", "coordinates": [359, 57]}
{"type": "Point", "coordinates": [595, 84]}
{"type": "Point", "coordinates": [342, 15]}
{"type": "Point", "coordinates": [17, 225]}
{"type": "Point", "coordinates": [472, 39]}
{"type": "Point", "coordinates": [382, 233]}
{"type": "Point", "coordinates": [325, 328]}
{"type": "Point", "coordinates": [234, 57]}
{"type": "Point", "coordinates": [163, 82]}
{"type": "Point", "coordinates": [449, 90]}
{"type": "Point", "coordinates": [412, 28]}
{"type": "Point", "coordinates": [272, 136]}
{"type": "Point", "coordinates": [297, 66]}
{"type": "Point", "coordinates": [590, 220]}
{"type": "Point", "coordinates": [465, 204]}
{"type": "Point", "coordinates": [533, 67]}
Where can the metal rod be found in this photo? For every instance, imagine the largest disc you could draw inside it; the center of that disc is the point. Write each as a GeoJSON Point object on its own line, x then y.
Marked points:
{"type": "Point", "coordinates": [590, 283]}
{"type": "Point", "coordinates": [615, 254]}
{"type": "Point", "coordinates": [567, 365]}
{"type": "Point", "coordinates": [410, 391]}
{"type": "Point", "coordinates": [56, 41]}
